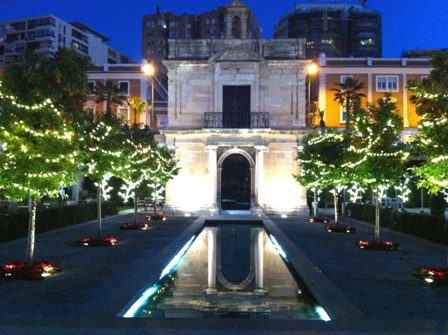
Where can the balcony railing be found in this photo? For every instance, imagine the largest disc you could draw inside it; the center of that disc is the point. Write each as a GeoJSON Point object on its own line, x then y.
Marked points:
{"type": "Point", "coordinates": [236, 120]}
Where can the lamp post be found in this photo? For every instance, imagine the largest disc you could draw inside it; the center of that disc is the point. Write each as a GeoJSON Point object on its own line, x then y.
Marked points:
{"type": "Point", "coordinates": [311, 70]}
{"type": "Point", "coordinates": [149, 70]}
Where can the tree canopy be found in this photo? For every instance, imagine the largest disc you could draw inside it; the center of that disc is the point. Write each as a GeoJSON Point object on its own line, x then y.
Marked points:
{"type": "Point", "coordinates": [430, 96]}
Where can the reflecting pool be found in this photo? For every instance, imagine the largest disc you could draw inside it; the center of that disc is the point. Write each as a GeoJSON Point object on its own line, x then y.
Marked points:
{"type": "Point", "coordinates": [229, 270]}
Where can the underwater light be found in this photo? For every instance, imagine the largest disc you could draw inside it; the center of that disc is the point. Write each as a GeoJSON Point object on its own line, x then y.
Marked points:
{"type": "Point", "coordinates": [323, 315]}
{"type": "Point", "coordinates": [277, 247]}
{"type": "Point", "coordinates": [172, 264]}
{"type": "Point", "coordinates": [140, 301]}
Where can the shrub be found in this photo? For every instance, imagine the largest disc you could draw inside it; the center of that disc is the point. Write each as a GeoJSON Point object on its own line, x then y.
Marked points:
{"type": "Point", "coordinates": [15, 226]}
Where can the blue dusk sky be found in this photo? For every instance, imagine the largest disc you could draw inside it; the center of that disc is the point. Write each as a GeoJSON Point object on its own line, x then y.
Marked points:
{"type": "Point", "coordinates": [407, 24]}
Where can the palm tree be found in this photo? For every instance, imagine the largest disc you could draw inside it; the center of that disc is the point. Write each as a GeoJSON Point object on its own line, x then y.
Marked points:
{"type": "Point", "coordinates": [138, 106]}
{"type": "Point", "coordinates": [109, 93]}
{"type": "Point", "coordinates": [348, 95]}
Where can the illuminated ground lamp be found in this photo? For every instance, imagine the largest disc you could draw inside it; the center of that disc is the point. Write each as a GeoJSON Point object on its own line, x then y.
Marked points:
{"type": "Point", "coordinates": [434, 276]}
{"type": "Point", "coordinates": [156, 217]}
{"type": "Point", "coordinates": [377, 245]}
{"type": "Point", "coordinates": [322, 219]}
{"type": "Point", "coordinates": [134, 226]}
{"type": "Point", "coordinates": [37, 271]}
{"type": "Point", "coordinates": [97, 242]}
{"type": "Point", "coordinates": [340, 229]}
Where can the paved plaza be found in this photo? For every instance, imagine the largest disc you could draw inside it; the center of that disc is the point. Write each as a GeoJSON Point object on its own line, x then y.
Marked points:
{"type": "Point", "coordinates": [364, 292]}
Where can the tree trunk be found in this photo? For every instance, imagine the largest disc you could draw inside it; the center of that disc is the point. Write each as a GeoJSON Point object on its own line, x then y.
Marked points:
{"type": "Point", "coordinates": [155, 201]}
{"type": "Point", "coordinates": [335, 199]}
{"type": "Point", "coordinates": [99, 208]}
{"type": "Point", "coordinates": [31, 231]}
{"type": "Point", "coordinates": [377, 217]}
{"type": "Point", "coordinates": [135, 207]}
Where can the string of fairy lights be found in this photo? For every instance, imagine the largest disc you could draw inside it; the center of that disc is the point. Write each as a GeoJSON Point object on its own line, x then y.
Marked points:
{"type": "Point", "coordinates": [144, 158]}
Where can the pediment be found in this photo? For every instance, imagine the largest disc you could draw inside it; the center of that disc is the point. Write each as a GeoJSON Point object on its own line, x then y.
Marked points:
{"type": "Point", "coordinates": [236, 54]}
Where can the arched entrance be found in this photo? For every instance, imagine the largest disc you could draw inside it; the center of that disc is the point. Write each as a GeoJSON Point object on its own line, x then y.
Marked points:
{"type": "Point", "coordinates": [236, 183]}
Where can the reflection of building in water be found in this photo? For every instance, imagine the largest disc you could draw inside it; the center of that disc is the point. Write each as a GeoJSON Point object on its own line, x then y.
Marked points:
{"type": "Point", "coordinates": [235, 270]}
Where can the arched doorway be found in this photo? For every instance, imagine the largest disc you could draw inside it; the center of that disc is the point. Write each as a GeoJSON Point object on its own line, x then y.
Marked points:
{"type": "Point", "coordinates": [236, 27]}
{"type": "Point", "coordinates": [235, 183]}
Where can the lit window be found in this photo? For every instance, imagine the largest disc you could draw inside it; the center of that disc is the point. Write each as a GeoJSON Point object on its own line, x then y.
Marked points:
{"type": "Point", "coordinates": [368, 41]}
{"type": "Point", "coordinates": [123, 113]}
{"type": "Point", "coordinates": [387, 83]}
{"type": "Point", "coordinates": [342, 113]}
{"type": "Point", "coordinates": [326, 41]}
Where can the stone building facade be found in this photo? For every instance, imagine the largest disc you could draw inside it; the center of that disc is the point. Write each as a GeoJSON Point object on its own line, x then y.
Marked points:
{"type": "Point", "coordinates": [236, 116]}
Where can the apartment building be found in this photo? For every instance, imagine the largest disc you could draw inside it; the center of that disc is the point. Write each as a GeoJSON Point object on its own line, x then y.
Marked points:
{"type": "Point", "coordinates": [338, 29]}
{"type": "Point", "coordinates": [133, 82]}
{"type": "Point", "coordinates": [47, 34]}
{"type": "Point", "coordinates": [380, 75]}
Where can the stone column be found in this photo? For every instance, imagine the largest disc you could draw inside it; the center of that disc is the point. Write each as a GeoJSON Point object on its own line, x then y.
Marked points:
{"type": "Point", "coordinates": [212, 178]}
{"type": "Point", "coordinates": [211, 241]}
{"type": "Point", "coordinates": [259, 176]}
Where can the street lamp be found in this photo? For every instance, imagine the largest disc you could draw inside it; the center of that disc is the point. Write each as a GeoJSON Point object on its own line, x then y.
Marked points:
{"type": "Point", "coordinates": [149, 70]}
{"type": "Point", "coordinates": [311, 70]}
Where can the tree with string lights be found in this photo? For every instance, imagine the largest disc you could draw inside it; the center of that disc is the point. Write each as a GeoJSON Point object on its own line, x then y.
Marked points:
{"type": "Point", "coordinates": [40, 106]}
{"type": "Point", "coordinates": [430, 96]}
{"type": "Point", "coordinates": [379, 158]}
{"type": "Point", "coordinates": [39, 154]}
{"type": "Point", "coordinates": [149, 162]}
{"type": "Point", "coordinates": [322, 163]}
{"type": "Point", "coordinates": [104, 153]}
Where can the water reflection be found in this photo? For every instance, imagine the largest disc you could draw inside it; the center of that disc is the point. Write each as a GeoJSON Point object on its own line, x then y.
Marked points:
{"type": "Point", "coordinates": [230, 270]}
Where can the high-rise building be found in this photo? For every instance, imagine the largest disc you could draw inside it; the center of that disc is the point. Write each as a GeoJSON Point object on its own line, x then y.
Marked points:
{"type": "Point", "coordinates": [160, 27]}
{"type": "Point", "coordinates": [47, 34]}
{"type": "Point", "coordinates": [336, 29]}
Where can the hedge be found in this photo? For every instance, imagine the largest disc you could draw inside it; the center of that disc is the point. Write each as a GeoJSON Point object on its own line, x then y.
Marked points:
{"type": "Point", "coordinates": [430, 227]}
{"type": "Point", "coordinates": [15, 226]}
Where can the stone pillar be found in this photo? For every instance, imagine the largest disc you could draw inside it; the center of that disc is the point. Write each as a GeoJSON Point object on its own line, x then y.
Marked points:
{"type": "Point", "coordinates": [211, 241]}
{"type": "Point", "coordinates": [212, 178]}
{"type": "Point", "coordinates": [259, 176]}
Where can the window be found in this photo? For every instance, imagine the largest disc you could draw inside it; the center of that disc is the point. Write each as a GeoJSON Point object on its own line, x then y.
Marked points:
{"type": "Point", "coordinates": [342, 113]}
{"type": "Point", "coordinates": [344, 79]}
{"type": "Point", "coordinates": [124, 87]}
{"type": "Point", "coordinates": [91, 88]}
{"type": "Point", "coordinates": [90, 114]}
{"type": "Point", "coordinates": [150, 24]}
{"type": "Point", "coordinates": [123, 113]}
{"type": "Point", "coordinates": [368, 41]}
{"type": "Point", "coordinates": [387, 83]}
{"type": "Point", "coordinates": [213, 21]}
{"type": "Point", "coordinates": [326, 41]}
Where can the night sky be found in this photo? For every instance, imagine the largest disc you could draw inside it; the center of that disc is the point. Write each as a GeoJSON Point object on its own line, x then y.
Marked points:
{"type": "Point", "coordinates": [407, 24]}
